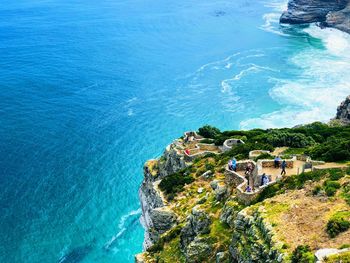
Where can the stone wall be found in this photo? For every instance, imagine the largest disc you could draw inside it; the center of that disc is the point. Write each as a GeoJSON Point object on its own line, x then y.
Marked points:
{"type": "Point", "coordinates": [271, 163]}
{"type": "Point", "coordinates": [229, 143]}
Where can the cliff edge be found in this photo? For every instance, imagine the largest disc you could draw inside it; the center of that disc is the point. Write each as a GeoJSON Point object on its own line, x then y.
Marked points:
{"type": "Point", "coordinates": [328, 13]}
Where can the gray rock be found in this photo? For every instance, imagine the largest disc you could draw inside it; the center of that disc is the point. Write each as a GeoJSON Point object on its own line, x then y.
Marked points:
{"type": "Point", "coordinates": [214, 184]}
{"type": "Point", "coordinates": [220, 192]}
{"type": "Point", "coordinates": [343, 111]}
{"type": "Point", "coordinates": [199, 250]}
{"type": "Point", "coordinates": [197, 223]}
{"type": "Point", "coordinates": [163, 220]}
{"type": "Point", "coordinates": [229, 213]}
{"type": "Point", "coordinates": [328, 13]}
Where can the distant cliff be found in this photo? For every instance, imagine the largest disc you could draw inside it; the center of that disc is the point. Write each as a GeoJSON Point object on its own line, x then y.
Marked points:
{"type": "Point", "coordinates": [328, 13]}
{"type": "Point", "coordinates": [343, 111]}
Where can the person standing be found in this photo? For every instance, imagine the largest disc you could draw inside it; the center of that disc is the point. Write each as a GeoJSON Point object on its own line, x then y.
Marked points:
{"type": "Point", "coordinates": [234, 164]}
{"type": "Point", "coordinates": [283, 166]}
{"type": "Point", "coordinates": [277, 161]}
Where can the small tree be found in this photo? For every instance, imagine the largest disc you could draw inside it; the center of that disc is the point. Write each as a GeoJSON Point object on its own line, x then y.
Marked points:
{"type": "Point", "coordinates": [208, 131]}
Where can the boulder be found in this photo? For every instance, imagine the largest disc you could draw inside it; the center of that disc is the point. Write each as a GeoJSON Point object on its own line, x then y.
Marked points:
{"type": "Point", "coordinates": [199, 250]}
{"type": "Point", "coordinates": [163, 219]}
{"type": "Point", "coordinates": [220, 192]}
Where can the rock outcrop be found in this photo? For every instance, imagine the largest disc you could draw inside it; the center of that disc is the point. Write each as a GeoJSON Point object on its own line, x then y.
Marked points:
{"type": "Point", "coordinates": [343, 111]}
{"type": "Point", "coordinates": [328, 13]}
{"type": "Point", "coordinates": [252, 240]}
{"type": "Point", "coordinates": [156, 218]}
{"type": "Point", "coordinates": [197, 223]}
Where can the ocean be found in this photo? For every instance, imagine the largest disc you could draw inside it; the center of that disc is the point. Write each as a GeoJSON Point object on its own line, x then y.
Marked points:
{"type": "Point", "coordinates": [89, 90]}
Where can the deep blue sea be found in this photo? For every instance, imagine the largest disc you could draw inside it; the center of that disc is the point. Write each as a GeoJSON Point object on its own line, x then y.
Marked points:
{"type": "Point", "coordinates": [89, 90]}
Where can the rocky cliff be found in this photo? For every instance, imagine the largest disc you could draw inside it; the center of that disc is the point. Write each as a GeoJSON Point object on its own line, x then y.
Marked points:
{"type": "Point", "coordinates": [343, 111]}
{"type": "Point", "coordinates": [328, 13]}
{"type": "Point", "coordinates": [195, 209]}
{"type": "Point", "coordinates": [156, 217]}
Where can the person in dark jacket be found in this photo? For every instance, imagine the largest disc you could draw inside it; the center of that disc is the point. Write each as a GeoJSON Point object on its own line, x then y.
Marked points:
{"type": "Point", "coordinates": [283, 166]}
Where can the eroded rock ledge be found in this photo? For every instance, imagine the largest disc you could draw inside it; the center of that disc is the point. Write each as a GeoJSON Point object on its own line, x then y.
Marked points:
{"type": "Point", "coordinates": [328, 13]}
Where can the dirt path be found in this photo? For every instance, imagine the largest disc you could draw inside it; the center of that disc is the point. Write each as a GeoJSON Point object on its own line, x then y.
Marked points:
{"type": "Point", "coordinates": [279, 150]}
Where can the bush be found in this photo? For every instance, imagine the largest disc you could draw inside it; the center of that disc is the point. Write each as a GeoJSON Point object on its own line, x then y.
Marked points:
{"type": "Point", "coordinates": [303, 254]}
{"type": "Point", "coordinates": [335, 149]}
{"type": "Point", "coordinates": [331, 187]}
{"type": "Point", "coordinates": [290, 139]}
{"type": "Point", "coordinates": [336, 174]}
{"type": "Point", "coordinates": [208, 131]}
{"type": "Point", "coordinates": [207, 141]}
{"type": "Point", "coordinates": [209, 166]}
{"type": "Point", "coordinates": [338, 223]}
{"type": "Point", "coordinates": [316, 190]}
{"type": "Point", "coordinates": [174, 183]}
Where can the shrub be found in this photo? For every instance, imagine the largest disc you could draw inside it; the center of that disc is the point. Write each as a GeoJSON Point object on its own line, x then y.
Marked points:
{"type": "Point", "coordinates": [338, 223]}
{"type": "Point", "coordinates": [336, 174]}
{"type": "Point", "coordinates": [290, 139]}
{"type": "Point", "coordinates": [174, 183]}
{"type": "Point", "coordinates": [316, 190]}
{"type": "Point", "coordinates": [208, 131]}
{"type": "Point", "coordinates": [206, 140]}
{"type": "Point", "coordinates": [334, 149]}
{"type": "Point", "coordinates": [209, 166]}
{"type": "Point", "coordinates": [330, 191]}
{"type": "Point", "coordinates": [331, 187]}
{"type": "Point", "coordinates": [303, 254]}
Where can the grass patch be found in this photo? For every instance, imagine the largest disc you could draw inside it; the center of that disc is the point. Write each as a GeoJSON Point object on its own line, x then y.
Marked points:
{"type": "Point", "coordinates": [343, 258]}
{"type": "Point", "coordinates": [292, 151]}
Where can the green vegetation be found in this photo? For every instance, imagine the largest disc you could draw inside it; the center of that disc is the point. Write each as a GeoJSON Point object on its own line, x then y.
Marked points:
{"type": "Point", "coordinates": [343, 258]}
{"type": "Point", "coordinates": [291, 151]}
{"type": "Point", "coordinates": [331, 187]}
{"type": "Point", "coordinates": [167, 237]}
{"type": "Point", "coordinates": [298, 181]}
{"type": "Point", "coordinates": [206, 140]}
{"type": "Point", "coordinates": [319, 140]}
{"type": "Point", "coordinates": [338, 223]}
{"type": "Point", "coordinates": [174, 183]}
{"type": "Point", "coordinates": [303, 254]}
{"type": "Point", "coordinates": [208, 131]}
{"type": "Point", "coordinates": [346, 193]}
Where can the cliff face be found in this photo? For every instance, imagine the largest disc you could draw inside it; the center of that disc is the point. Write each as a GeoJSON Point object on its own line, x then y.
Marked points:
{"type": "Point", "coordinates": [156, 218]}
{"type": "Point", "coordinates": [343, 111]}
{"type": "Point", "coordinates": [329, 13]}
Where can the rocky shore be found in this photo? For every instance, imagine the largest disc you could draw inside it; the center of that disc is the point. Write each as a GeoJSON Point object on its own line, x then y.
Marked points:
{"type": "Point", "coordinates": [327, 13]}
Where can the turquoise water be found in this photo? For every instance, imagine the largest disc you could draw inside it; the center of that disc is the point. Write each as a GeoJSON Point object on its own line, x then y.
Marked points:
{"type": "Point", "coordinates": [89, 90]}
